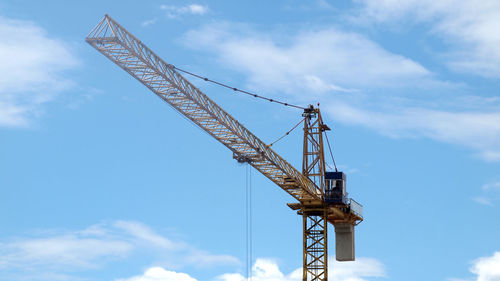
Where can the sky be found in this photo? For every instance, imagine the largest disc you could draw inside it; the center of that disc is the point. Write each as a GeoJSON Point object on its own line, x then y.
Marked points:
{"type": "Point", "coordinates": [100, 180]}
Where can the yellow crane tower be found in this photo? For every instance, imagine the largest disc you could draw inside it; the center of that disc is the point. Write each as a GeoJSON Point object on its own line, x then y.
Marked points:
{"type": "Point", "coordinates": [321, 196]}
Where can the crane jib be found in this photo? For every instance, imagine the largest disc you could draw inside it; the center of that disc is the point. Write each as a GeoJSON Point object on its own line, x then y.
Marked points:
{"type": "Point", "coordinates": [129, 53]}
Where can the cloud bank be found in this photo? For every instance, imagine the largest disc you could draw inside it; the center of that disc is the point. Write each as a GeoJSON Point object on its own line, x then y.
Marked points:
{"type": "Point", "coordinates": [490, 194]}
{"type": "Point", "coordinates": [31, 72]}
{"type": "Point", "coordinates": [470, 25]}
{"type": "Point", "coordinates": [268, 270]}
{"type": "Point", "coordinates": [56, 252]}
{"type": "Point", "coordinates": [477, 130]}
{"type": "Point", "coordinates": [360, 82]}
{"type": "Point", "coordinates": [173, 11]}
{"type": "Point", "coordinates": [61, 255]}
{"type": "Point", "coordinates": [160, 274]}
{"type": "Point", "coordinates": [311, 61]}
{"type": "Point", "coordinates": [485, 269]}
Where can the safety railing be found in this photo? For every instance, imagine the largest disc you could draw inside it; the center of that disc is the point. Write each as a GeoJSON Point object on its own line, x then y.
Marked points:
{"type": "Point", "coordinates": [356, 207]}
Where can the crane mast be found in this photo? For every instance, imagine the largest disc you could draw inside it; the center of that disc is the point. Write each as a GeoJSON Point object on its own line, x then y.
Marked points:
{"type": "Point", "coordinates": [315, 215]}
{"type": "Point", "coordinates": [308, 187]}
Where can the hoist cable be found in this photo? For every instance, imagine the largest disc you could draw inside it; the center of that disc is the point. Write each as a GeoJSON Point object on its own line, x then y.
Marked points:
{"type": "Point", "coordinates": [236, 89]}
{"type": "Point", "coordinates": [331, 153]}
{"type": "Point", "coordinates": [248, 220]}
{"type": "Point", "coordinates": [286, 134]}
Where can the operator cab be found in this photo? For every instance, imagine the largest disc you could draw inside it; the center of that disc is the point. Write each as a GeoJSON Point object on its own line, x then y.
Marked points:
{"type": "Point", "coordinates": [335, 190]}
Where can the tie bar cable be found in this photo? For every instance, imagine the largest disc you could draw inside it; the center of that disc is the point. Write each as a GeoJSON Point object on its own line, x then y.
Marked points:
{"type": "Point", "coordinates": [331, 153]}
{"type": "Point", "coordinates": [286, 134]}
{"type": "Point", "coordinates": [236, 89]}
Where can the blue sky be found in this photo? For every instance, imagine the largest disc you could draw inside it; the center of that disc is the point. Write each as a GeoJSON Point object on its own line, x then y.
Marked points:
{"type": "Point", "coordinates": [100, 180]}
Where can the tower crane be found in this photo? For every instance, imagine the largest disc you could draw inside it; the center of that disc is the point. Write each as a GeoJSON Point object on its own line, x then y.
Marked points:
{"type": "Point", "coordinates": [320, 194]}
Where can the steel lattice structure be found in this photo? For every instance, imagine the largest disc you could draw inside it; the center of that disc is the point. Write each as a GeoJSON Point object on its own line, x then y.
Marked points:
{"type": "Point", "coordinates": [314, 217]}
{"type": "Point", "coordinates": [129, 53]}
{"type": "Point", "coordinates": [315, 245]}
{"type": "Point", "coordinates": [121, 47]}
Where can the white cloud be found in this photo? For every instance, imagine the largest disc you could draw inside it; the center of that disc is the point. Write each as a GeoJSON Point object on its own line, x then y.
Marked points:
{"type": "Point", "coordinates": [197, 9]}
{"type": "Point", "coordinates": [58, 256]}
{"type": "Point", "coordinates": [66, 250]}
{"type": "Point", "coordinates": [357, 270]}
{"type": "Point", "coordinates": [490, 194]}
{"type": "Point", "coordinates": [483, 200]}
{"type": "Point", "coordinates": [31, 72]}
{"type": "Point", "coordinates": [160, 274]}
{"type": "Point", "coordinates": [145, 233]}
{"type": "Point", "coordinates": [486, 268]}
{"type": "Point", "coordinates": [149, 22]}
{"type": "Point", "coordinates": [262, 270]}
{"type": "Point", "coordinates": [268, 270]}
{"type": "Point", "coordinates": [191, 9]}
{"type": "Point", "coordinates": [205, 259]}
{"type": "Point", "coordinates": [470, 26]}
{"type": "Point", "coordinates": [477, 130]}
{"type": "Point", "coordinates": [311, 61]}
{"type": "Point", "coordinates": [329, 64]}
{"type": "Point", "coordinates": [59, 252]}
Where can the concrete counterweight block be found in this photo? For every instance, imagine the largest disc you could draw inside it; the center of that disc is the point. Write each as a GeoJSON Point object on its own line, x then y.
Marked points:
{"type": "Point", "coordinates": [344, 241]}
